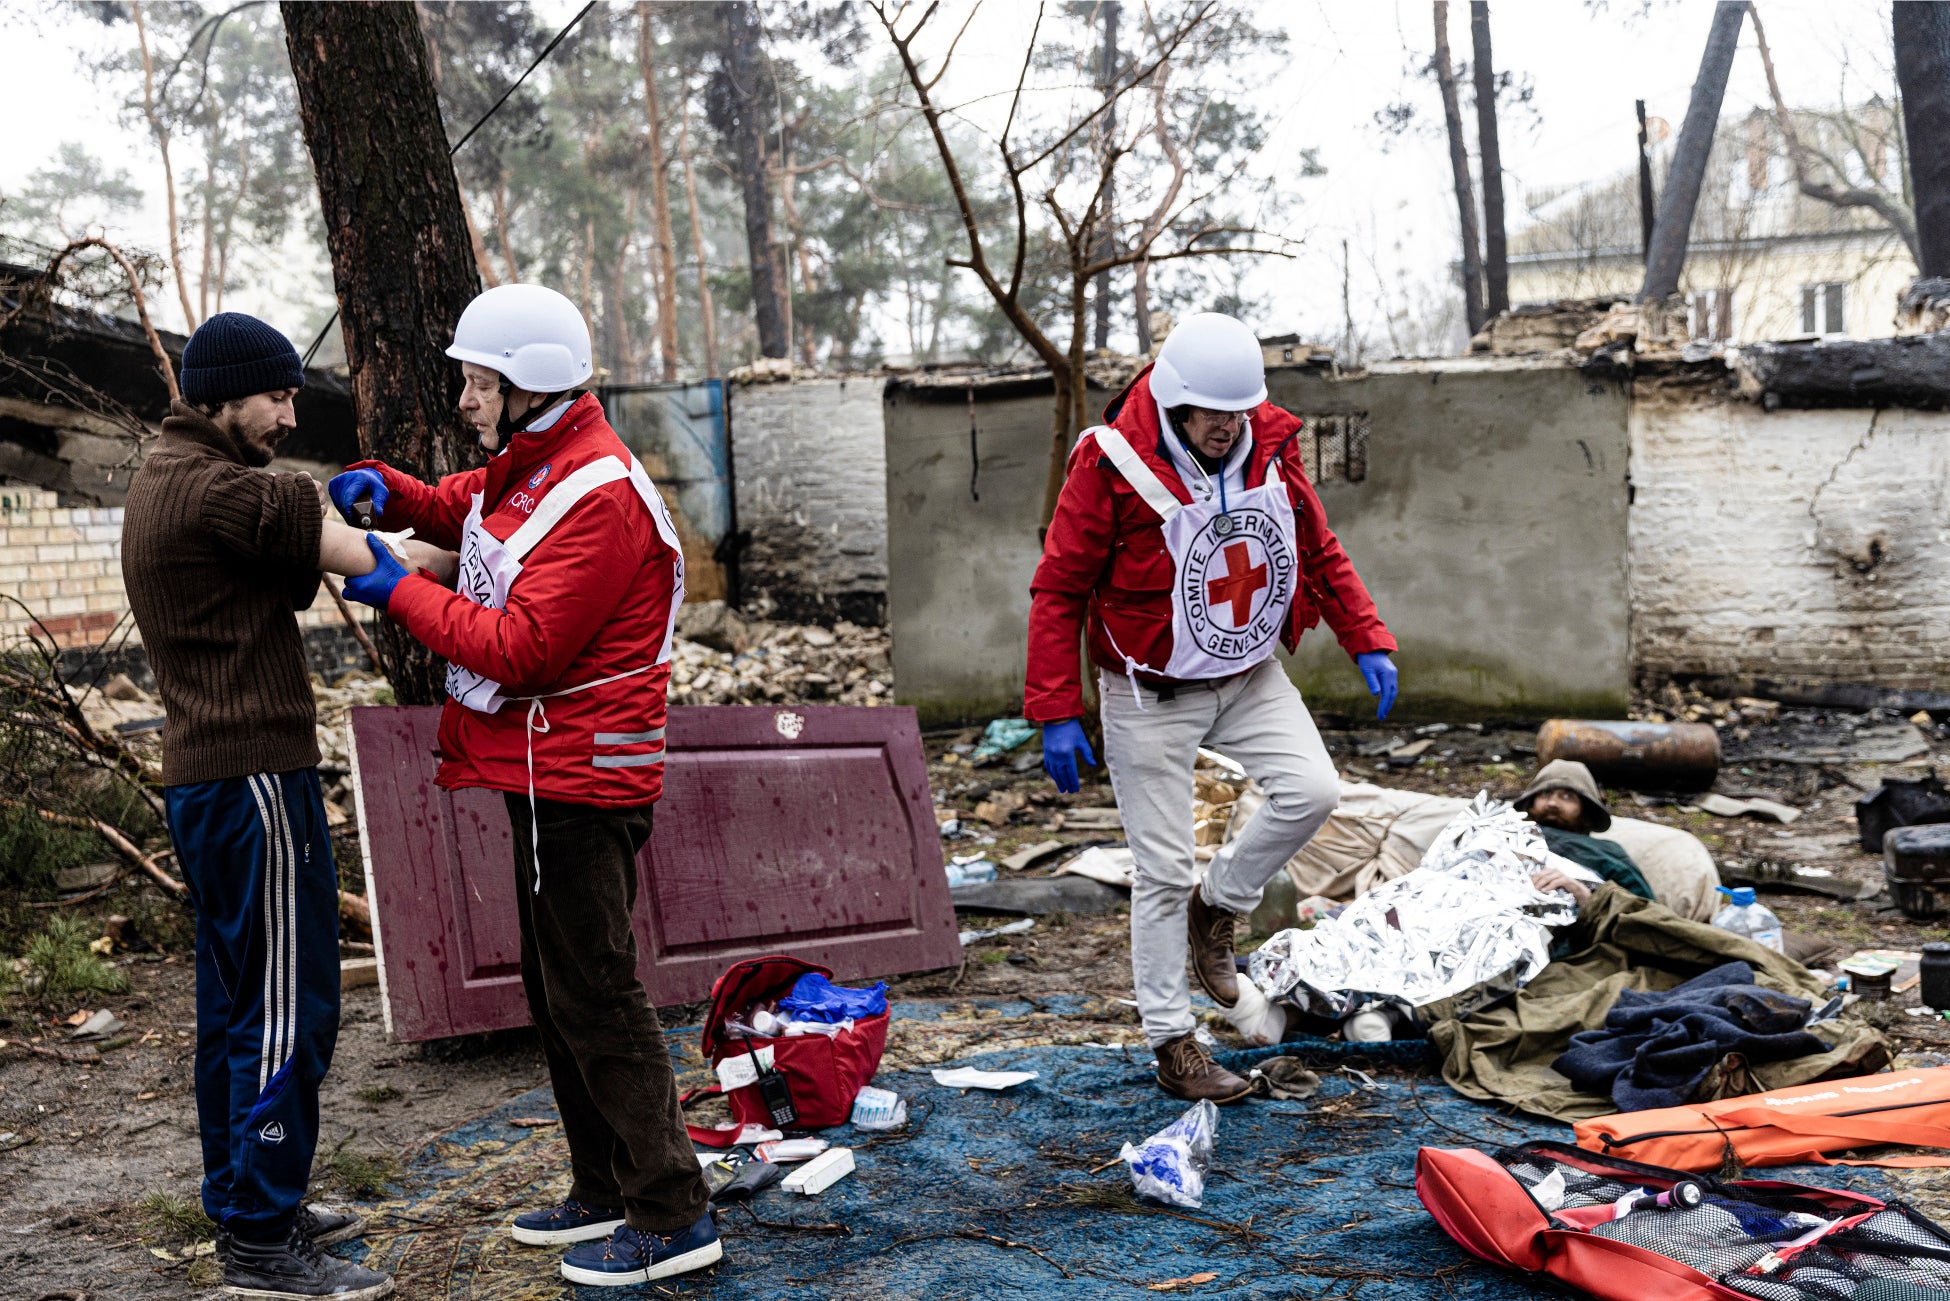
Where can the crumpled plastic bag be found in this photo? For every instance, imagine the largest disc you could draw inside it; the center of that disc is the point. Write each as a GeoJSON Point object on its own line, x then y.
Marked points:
{"type": "Point", "coordinates": [1001, 736]}
{"type": "Point", "coordinates": [1171, 1164]}
{"type": "Point", "coordinates": [1466, 916]}
{"type": "Point", "coordinates": [815, 998]}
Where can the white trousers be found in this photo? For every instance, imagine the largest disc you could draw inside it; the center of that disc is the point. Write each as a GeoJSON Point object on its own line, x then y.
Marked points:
{"type": "Point", "coordinates": [1258, 721]}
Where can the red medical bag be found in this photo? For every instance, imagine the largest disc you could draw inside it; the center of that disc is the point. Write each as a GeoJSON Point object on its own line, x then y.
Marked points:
{"type": "Point", "coordinates": [825, 1071]}
{"type": "Point", "coordinates": [1746, 1238]}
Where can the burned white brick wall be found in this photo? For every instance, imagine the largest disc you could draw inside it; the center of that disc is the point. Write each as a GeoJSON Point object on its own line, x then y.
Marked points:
{"type": "Point", "coordinates": [1810, 543]}
{"type": "Point", "coordinates": [810, 461]}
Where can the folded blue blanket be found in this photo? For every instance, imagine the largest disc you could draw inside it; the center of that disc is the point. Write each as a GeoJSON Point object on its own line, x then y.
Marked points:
{"type": "Point", "coordinates": [1656, 1047]}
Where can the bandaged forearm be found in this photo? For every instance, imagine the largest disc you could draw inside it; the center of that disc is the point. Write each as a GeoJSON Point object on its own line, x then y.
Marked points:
{"type": "Point", "coordinates": [342, 550]}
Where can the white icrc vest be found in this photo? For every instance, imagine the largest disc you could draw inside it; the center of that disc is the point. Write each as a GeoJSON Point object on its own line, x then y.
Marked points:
{"type": "Point", "coordinates": [489, 566]}
{"type": "Point", "coordinates": [1233, 570]}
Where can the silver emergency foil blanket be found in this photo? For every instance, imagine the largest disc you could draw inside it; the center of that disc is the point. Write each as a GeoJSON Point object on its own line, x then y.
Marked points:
{"type": "Point", "coordinates": [1467, 916]}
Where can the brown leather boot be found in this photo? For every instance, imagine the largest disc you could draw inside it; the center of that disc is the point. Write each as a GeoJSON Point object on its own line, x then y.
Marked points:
{"type": "Point", "coordinates": [1211, 931]}
{"type": "Point", "coordinates": [1186, 1070]}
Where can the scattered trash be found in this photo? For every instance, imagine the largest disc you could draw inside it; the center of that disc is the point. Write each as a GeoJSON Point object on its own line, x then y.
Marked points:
{"type": "Point", "coordinates": [1000, 807]}
{"type": "Point", "coordinates": [97, 1025]}
{"type": "Point", "coordinates": [785, 1151]}
{"type": "Point", "coordinates": [728, 1179]}
{"type": "Point", "coordinates": [1285, 1079]}
{"type": "Point", "coordinates": [1637, 756]}
{"type": "Point", "coordinates": [1889, 743]}
{"type": "Point", "coordinates": [969, 1077]}
{"type": "Point", "coordinates": [878, 1109]}
{"type": "Point", "coordinates": [1407, 756]}
{"type": "Point", "coordinates": [1744, 915]}
{"type": "Point", "coordinates": [1375, 749]}
{"type": "Point", "coordinates": [961, 874]}
{"type": "Point", "coordinates": [1026, 858]}
{"type": "Point", "coordinates": [1111, 865]}
{"type": "Point", "coordinates": [1173, 1284]}
{"type": "Point", "coordinates": [1900, 802]}
{"type": "Point", "coordinates": [1001, 736]}
{"type": "Point", "coordinates": [733, 1134]}
{"type": "Point", "coordinates": [1095, 819]}
{"type": "Point", "coordinates": [1038, 896]}
{"type": "Point", "coordinates": [1365, 1080]}
{"type": "Point", "coordinates": [1722, 806]}
{"type": "Point", "coordinates": [949, 829]}
{"type": "Point", "coordinates": [1171, 1164]}
{"type": "Point", "coordinates": [1916, 867]}
{"type": "Point", "coordinates": [86, 876]}
{"type": "Point", "coordinates": [820, 1173]}
{"type": "Point", "coordinates": [1013, 928]}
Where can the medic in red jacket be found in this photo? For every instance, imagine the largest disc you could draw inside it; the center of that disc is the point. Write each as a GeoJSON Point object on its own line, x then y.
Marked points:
{"type": "Point", "coordinates": [558, 640]}
{"type": "Point", "coordinates": [1190, 546]}
{"type": "Point", "coordinates": [1105, 563]}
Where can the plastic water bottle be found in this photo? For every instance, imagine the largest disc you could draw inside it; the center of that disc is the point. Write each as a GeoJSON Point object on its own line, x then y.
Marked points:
{"type": "Point", "coordinates": [1745, 916]}
{"type": "Point", "coordinates": [960, 874]}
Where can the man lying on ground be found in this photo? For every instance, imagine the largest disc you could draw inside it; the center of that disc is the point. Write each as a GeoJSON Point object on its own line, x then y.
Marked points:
{"type": "Point", "coordinates": [1564, 801]}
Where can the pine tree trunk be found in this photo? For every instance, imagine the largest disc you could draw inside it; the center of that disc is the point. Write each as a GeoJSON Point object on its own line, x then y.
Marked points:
{"type": "Point", "coordinates": [1496, 260]}
{"type": "Point", "coordinates": [1472, 257]}
{"type": "Point", "coordinates": [1923, 74]}
{"type": "Point", "coordinates": [402, 262]}
{"type": "Point", "coordinates": [705, 307]}
{"type": "Point", "coordinates": [659, 199]}
{"type": "Point", "coordinates": [741, 69]}
{"type": "Point", "coordinates": [1672, 230]}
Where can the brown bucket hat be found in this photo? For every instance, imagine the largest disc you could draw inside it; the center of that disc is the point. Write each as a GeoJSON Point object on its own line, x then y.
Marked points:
{"type": "Point", "coordinates": [1568, 775]}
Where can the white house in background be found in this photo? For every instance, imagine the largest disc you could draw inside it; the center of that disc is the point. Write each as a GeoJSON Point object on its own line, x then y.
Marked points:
{"type": "Point", "coordinates": [1765, 261]}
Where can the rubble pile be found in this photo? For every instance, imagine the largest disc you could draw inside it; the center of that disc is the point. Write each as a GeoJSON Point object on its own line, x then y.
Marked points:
{"type": "Point", "coordinates": [721, 658]}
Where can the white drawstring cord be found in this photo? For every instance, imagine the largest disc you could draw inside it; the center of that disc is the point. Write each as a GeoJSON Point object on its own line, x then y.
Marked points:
{"type": "Point", "coordinates": [537, 710]}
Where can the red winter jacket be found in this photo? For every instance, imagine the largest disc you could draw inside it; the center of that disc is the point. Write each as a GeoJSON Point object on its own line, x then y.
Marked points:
{"type": "Point", "coordinates": [1105, 556]}
{"type": "Point", "coordinates": [593, 599]}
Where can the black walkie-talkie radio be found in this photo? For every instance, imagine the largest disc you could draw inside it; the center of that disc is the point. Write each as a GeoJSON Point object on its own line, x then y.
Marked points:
{"type": "Point", "coordinates": [775, 1090]}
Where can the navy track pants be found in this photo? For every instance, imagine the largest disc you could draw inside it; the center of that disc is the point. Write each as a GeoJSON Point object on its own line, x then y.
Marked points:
{"type": "Point", "coordinates": [258, 861]}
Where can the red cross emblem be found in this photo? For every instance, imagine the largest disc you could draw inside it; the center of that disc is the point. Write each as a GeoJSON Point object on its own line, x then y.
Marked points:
{"type": "Point", "coordinates": [1242, 581]}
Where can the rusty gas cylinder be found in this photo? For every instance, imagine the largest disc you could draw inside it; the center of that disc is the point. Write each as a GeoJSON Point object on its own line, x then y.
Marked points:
{"type": "Point", "coordinates": [1637, 756]}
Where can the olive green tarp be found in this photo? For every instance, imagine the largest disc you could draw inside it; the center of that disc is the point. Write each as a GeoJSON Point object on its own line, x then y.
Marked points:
{"type": "Point", "coordinates": [1503, 1053]}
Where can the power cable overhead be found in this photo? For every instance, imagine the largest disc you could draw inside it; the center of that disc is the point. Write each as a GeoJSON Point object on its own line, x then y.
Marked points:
{"type": "Point", "coordinates": [505, 96]}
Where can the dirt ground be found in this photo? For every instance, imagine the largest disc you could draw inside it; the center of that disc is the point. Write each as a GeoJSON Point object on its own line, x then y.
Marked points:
{"type": "Point", "coordinates": [98, 1147]}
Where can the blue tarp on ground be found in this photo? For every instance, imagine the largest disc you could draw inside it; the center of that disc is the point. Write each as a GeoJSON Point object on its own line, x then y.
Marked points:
{"type": "Point", "coordinates": [1311, 1199]}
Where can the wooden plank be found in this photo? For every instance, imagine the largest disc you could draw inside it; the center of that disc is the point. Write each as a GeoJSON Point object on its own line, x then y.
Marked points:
{"type": "Point", "coordinates": [806, 830]}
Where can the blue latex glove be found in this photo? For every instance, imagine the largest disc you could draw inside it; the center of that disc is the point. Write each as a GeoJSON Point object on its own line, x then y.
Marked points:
{"type": "Point", "coordinates": [376, 588]}
{"type": "Point", "coordinates": [355, 485]}
{"type": "Point", "coordinates": [1062, 742]}
{"type": "Point", "coordinates": [1379, 671]}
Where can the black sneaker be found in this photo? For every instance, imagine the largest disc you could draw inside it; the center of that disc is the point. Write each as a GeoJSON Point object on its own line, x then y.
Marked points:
{"type": "Point", "coordinates": [328, 1228]}
{"type": "Point", "coordinates": [296, 1269]}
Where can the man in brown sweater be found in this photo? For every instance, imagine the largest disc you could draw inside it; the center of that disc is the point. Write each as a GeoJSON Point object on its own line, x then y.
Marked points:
{"type": "Point", "coordinates": [218, 557]}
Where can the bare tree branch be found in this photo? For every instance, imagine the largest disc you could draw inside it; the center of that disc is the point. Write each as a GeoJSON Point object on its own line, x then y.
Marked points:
{"type": "Point", "coordinates": [1891, 209]}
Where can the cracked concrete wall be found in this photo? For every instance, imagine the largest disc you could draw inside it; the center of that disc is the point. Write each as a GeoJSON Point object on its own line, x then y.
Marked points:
{"type": "Point", "coordinates": [1790, 543]}
{"type": "Point", "coordinates": [810, 461]}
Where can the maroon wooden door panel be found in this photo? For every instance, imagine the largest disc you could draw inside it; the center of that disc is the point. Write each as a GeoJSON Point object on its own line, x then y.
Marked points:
{"type": "Point", "coordinates": [806, 830]}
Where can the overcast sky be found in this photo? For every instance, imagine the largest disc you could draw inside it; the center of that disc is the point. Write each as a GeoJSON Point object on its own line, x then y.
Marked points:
{"type": "Point", "coordinates": [1389, 198]}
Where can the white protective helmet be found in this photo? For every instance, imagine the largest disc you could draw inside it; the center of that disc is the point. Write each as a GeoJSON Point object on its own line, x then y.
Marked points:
{"type": "Point", "coordinates": [1210, 360]}
{"type": "Point", "coordinates": [529, 333]}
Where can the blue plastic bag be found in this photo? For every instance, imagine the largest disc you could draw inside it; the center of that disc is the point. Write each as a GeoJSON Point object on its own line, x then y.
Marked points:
{"type": "Point", "coordinates": [815, 998]}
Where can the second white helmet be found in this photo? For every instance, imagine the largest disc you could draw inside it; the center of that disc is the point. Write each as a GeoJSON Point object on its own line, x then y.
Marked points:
{"type": "Point", "coordinates": [1210, 360]}
{"type": "Point", "coordinates": [530, 334]}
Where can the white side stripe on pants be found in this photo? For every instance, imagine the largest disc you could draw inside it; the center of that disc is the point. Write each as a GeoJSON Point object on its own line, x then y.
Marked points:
{"type": "Point", "coordinates": [280, 928]}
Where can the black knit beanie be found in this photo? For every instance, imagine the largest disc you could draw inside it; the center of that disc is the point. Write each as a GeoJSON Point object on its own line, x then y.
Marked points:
{"type": "Point", "coordinates": [232, 355]}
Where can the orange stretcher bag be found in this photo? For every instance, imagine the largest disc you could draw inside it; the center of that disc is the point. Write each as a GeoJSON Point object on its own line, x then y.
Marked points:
{"type": "Point", "coordinates": [1598, 1223]}
{"type": "Point", "coordinates": [1786, 1126]}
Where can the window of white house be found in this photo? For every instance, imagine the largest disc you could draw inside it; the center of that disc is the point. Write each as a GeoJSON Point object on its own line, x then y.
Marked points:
{"type": "Point", "coordinates": [1711, 314]}
{"type": "Point", "coordinates": [1822, 308]}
